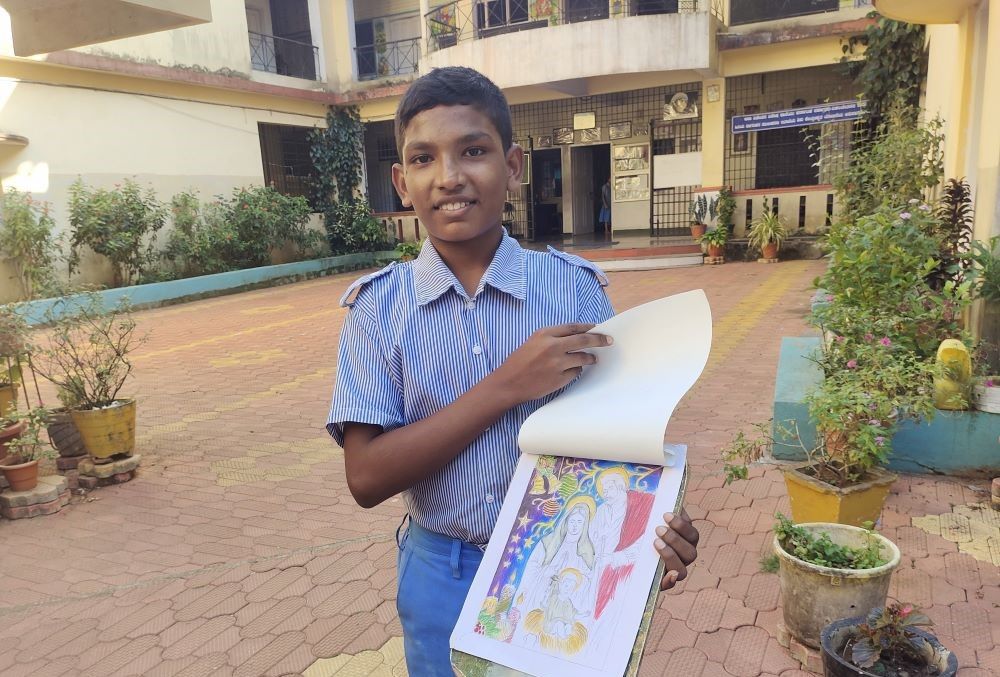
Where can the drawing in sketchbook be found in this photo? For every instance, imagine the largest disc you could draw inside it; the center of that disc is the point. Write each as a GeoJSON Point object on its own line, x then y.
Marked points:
{"type": "Point", "coordinates": [572, 545]}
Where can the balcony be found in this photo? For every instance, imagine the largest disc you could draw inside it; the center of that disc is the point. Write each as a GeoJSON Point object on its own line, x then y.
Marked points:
{"type": "Point", "coordinates": [283, 56]}
{"type": "Point", "coordinates": [565, 46]}
{"type": "Point", "coordinates": [388, 59]}
{"type": "Point", "coordinates": [925, 11]}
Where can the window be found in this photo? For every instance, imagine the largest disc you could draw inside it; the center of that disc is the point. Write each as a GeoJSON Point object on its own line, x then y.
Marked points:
{"type": "Point", "coordinates": [285, 153]}
{"type": "Point", "coordinates": [751, 11]}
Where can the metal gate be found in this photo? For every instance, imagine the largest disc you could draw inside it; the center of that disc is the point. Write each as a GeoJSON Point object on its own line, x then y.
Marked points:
{"type": "Point", "coordinates": [669, 207]}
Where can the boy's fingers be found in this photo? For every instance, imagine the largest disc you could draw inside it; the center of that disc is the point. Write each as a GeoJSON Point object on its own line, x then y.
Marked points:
{"type": "Point", "coordinates": [580, 359]}
{"type": "Point", "coordinates": [582, 341]}
{"type": "Point", "coordinates": [571, 329]}
{"type": "Point", "coordinates": [683, 526]}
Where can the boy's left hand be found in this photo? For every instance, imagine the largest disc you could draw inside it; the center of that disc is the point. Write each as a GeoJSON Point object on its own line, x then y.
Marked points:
{"type": "Point", "coordinates": [677, 545]}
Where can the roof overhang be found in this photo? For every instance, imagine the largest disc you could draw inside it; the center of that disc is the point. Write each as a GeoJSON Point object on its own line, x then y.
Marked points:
{"type": "Point", "coordinates": [42, 26]}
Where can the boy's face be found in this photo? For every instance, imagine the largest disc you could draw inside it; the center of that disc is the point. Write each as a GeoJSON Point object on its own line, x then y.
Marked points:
{"type": "Point", "coordinates": [455, 173]}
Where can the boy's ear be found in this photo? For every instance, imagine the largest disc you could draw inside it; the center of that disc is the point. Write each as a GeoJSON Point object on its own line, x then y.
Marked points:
{"type": "Point", "coordinates": [399, 182]}
{"type": "Point", "coordinates": [515, 167]}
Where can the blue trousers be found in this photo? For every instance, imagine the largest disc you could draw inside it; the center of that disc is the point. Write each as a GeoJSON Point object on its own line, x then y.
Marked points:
{"type": "Point", "coordinates": [434, 574]}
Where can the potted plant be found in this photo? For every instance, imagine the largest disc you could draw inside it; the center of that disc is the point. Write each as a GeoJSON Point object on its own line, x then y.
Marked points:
{"type": "Point", "coordinates": [767, 233]}
{"type": "Point", "coordinates": [20, 465]}
{"type": "Point", "coordinates": [716, 241]}
{"type": "Point", "coordinates": [986, 395]}
{"type": "Point", "coordinates": [698, 210]}
{"type": "Point", "coordinates": [14, 343]}
{"type": "Point", "coordinates": [829, 571]}
{"type": "Point", "coordinates": [408, 250]}
{"type": "Point", "coordinates": [726, 209]}
{"type": "Point", "coordinates": [88, 360]}
{"type": "Point", "coordinates": [887, 641]}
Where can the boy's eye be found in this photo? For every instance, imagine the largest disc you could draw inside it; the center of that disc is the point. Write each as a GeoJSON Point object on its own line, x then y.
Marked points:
{"type": "Point", "coordinates": [420, 159]}
{"type": "Point", "coordinates": [476, 152]}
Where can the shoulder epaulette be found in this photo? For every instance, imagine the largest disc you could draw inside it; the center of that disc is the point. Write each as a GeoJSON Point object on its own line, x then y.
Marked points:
{"type": "Point", "coordinates": [351, 295]}
{"type": "Point", "coordinates": [581, 262]}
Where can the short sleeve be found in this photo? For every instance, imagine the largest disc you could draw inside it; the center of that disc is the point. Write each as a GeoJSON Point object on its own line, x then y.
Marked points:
{"type": "Point", "coordinates": [595, 307]}
{"type": "Point", "coordinates": [365, 391]}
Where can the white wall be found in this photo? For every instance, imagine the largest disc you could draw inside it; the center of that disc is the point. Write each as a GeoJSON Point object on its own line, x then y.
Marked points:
{"type": "Point", "coordinates": [665, 42]}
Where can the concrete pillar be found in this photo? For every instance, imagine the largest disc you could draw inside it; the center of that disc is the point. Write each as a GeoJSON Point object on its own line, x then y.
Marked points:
{"type": "Point", "coordinates": [338, 37]}
{"type": "Point", "coordinates": [713, 132]}
{"type": "Point", "coordinates": [425, 7]}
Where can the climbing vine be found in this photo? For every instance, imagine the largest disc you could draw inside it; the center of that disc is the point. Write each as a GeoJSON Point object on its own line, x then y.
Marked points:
{"type": "Point", "coordinates": [894, 66]}
{"type": "Point", "coordinates": [336, 154]}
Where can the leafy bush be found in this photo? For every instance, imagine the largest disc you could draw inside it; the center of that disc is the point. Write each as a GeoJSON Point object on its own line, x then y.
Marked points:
{"type": "Point", "coordinates": [28, 243]}
{"type": "Point", "coordinates": [726, 209]}
{"type": "Point", "coordinates": [350, 228]}
{"type": "Point", "coordinates": [87, 356]}
{"type": "Point", "coordinates": [887, 635]}
{"type": "Point", "coordinates": [265, 220]}
{"type": "Point", "coordinates": [120, 224]}
{"type": "Point", "coordinates": [239, 233]}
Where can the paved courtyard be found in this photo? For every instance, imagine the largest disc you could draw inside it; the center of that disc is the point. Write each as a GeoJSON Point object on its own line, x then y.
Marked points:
{"type": "Point", "coordinates": [238, 549]}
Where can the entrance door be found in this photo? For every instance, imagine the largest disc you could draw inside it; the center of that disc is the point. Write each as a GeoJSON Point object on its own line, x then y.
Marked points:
{"type": "Point", "coordinates": [583, 189]}
{"type": "Point", "coordinates": [546, 193]}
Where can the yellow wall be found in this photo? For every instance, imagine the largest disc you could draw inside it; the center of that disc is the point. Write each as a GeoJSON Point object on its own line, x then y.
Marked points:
{"type": "Point", "coordinates": [169, 144]}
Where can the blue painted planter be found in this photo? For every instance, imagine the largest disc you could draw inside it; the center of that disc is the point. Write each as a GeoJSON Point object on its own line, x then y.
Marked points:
{"type": "Point", "coordinates": [965, 443]}
{"type": "Point", "coordinates": [174, 291]}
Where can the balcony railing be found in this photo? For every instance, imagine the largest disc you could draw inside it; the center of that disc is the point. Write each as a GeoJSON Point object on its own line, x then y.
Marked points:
{"type": "Point", "coordinates": [284, 56]}
{"type": "Point", "coordinates": [453, 22]}
{"type": "Point", "coordinates": [386, 59]}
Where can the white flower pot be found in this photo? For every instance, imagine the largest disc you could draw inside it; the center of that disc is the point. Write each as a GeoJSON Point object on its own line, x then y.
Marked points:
{"type": "Point", "coordinates": [988, 399]}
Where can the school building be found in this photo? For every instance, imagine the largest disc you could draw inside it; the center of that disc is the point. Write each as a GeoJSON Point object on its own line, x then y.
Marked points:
{"type": "Point", "coordinates": [667, 98]}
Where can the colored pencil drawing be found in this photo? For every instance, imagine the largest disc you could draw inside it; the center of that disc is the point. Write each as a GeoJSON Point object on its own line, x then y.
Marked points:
{"type": "Point", "coordinates": [572, 547]}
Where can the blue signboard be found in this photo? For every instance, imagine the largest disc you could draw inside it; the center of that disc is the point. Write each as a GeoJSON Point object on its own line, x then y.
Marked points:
{"type": "Point", "coordinates": [806, 116]}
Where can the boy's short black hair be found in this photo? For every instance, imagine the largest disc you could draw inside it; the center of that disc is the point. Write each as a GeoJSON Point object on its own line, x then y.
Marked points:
{"type": "Point", "coordinates": [455, 86]}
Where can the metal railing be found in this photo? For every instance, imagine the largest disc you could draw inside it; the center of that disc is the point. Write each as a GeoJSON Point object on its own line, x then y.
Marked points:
{"type": "Point", "coordinates": [284, 56]}
{"type": "Point", "coordinates": [385, 59]}
{"type": "Point", "coordinates": [455, 21]}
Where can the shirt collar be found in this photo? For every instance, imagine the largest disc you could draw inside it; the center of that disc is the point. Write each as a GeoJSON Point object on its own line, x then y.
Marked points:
{"type": "Point", "coordinates": [432, 277]}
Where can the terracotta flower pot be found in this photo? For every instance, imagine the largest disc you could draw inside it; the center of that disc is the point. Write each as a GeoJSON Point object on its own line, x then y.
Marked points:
{"type": "Point", "coordinates": [21, 475]}
{"type": "Point", "coordinates": [770, 251]}
{"type": "Point", "coordinates": [716, 250]}
{"type": "Point", "coordinates": [698, 229]}
{"type": "Point", "coordinates": [9, 433]}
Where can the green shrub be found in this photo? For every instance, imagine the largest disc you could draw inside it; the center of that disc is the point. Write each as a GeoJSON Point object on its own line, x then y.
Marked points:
{"type": "Point", "coordinates": [203, 240]}
{"type": "Point", "coordinates": [28, 243]}
{"type": "Point", "coordinates": [119, 223]}
{"type": "Point", "coordinates": [351, 228]}
{"type": "Point", "coordinates": [265, 220]}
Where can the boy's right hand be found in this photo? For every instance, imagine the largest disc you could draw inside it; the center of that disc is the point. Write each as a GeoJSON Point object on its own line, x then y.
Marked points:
{"type": "Point", "coordinates": [549, 360]}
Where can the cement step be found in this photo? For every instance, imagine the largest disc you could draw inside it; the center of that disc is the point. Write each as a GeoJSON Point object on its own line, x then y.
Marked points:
{"type": "Point", "coordinates": [651, 262]}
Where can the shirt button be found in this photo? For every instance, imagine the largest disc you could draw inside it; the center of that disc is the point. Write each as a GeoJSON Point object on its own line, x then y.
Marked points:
{"type": "Point", "coordinates": [489, 498]}
{"type": "Point", "coordinates": [470, 304]}
{"type": "Point", "coordinates": [477, 350]}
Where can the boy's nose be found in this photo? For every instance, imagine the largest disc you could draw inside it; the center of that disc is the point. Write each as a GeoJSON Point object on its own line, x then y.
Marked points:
{"type": "Point", "coordinates": [450, 175]}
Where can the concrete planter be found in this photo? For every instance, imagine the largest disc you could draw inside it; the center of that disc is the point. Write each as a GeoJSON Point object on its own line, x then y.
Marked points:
{"type": "Point", "coordinates": [814, 500]}
{"type": "Point", "coordinates": [814, 596]}
{"type": "Point", "coordinates": [107, 432]}
{"type": "Point", "coordinates": [987, 398]}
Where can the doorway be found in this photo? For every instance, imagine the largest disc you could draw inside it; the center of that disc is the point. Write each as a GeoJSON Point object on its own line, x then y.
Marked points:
{"type": "Point", "coordinates": [547, 193]}
{"type": "Point", "coordinates": [591, 168]}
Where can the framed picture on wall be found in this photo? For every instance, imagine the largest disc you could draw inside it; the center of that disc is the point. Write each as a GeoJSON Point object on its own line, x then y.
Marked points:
{"type": "Point", "coordinates": [752, 109]}
{"type": "Point", "coordinates": [592, 135]}
{"type": "Point", "coordinates": [631, 188]}
{"type": "Point", "coordinates": [741, 142]}
{"type": "Point", "coordinates": [543, 141]}
{"type": "Point", "coordinates": [681, 106]}
{"type": "Point", "coordinates": [562, 135]}
{"type": "Point", "coordinates": [619, 130]}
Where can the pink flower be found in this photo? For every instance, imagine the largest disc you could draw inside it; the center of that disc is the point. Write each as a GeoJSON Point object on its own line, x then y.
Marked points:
{"type": "Point", "coordinates": [906, 610]}
{"type": "Point", "coordinates": [852, 364]}
{"type": "Point", "coordinates": [989, 383]}
{"type": "Point", "coordinates": [869, 337]}
{"type": "Point", "coordinates": [924, 208]}
{"type": "Point", "coordinates": [879, 440]}
{"type": "Point", "coordinates": [829, 297]}
{"type": "Point", "coordinates": [905, 215]}
{"type": "Point", "coordinates": [885, 341]}
{"type": "Point", "coordinates": [874, 421]}
{"type": "Point", "coordinates": [840, 339]}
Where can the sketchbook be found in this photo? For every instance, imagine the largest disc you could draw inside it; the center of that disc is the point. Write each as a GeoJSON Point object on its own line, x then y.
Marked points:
{"type": "Point", "coordinates": [569, 578]}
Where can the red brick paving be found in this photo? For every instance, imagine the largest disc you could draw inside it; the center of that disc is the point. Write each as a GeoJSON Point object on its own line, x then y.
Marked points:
{"type": "Point", "coordinates": [238, 549]}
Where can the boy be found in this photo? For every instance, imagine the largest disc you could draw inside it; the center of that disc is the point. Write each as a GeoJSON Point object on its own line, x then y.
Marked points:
{"type": "Point", "coordinates": [442, 358]}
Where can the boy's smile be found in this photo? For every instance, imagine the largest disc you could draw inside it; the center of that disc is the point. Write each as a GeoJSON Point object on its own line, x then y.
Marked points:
{"type": "Point", "coordinates": [455, 173]}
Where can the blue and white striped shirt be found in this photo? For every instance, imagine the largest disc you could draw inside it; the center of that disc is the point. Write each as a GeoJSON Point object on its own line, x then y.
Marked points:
{"type": "Point", "coordinates": [413, 342]}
